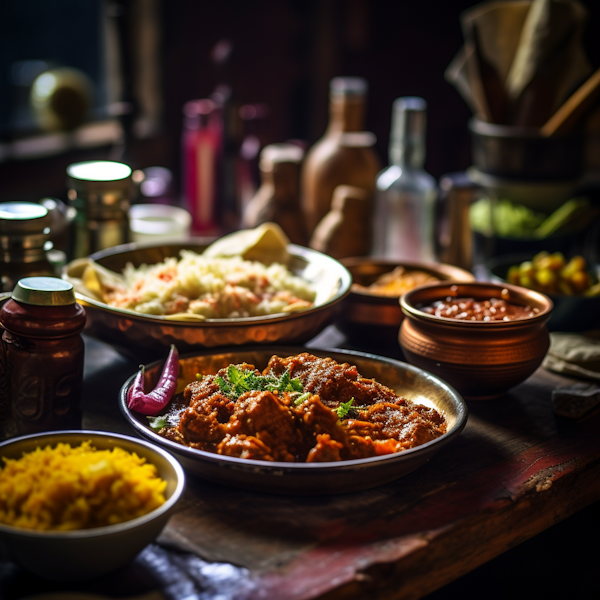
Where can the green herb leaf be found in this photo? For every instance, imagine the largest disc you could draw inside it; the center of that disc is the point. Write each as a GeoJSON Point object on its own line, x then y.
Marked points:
{"type": "Point", "coordinates": [300, 399]}
{"type": "Point", "coordinates": [157, 423]}
{"type": "Point", "coordinates": [239, 382]}
{"type": "Point", "coordinates": [223, 384]}
{"type": "Point", "coordinates": [344, 408]}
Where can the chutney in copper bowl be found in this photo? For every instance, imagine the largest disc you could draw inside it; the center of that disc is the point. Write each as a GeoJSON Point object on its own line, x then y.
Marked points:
{"type": "Point", "coordinates": [482, 359]}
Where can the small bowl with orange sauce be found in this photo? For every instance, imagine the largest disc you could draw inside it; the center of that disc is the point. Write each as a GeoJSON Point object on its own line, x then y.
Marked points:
{"type": "Point", "coordinates": [372, 309]}
{"type": "Point", "coordinates": [482, 338]}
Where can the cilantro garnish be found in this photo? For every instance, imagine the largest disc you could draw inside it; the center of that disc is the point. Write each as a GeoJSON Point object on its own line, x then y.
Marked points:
{"type": "Point", "coordinates": [300, 399]}
{"type": "Point", "coordinates": [157, 423]}
{"type": "Point", "coordinates": [344, 408]}
{"type": "Point", "coordinates": [239, 381]}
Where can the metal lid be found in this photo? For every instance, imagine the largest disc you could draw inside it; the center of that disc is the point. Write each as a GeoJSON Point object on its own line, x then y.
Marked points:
{"type": "Point", "coordinates": [93, 175]}
{"type": "Point", "coordinates": [22, 218]}
{"type": "Point", "coordinates": [44, 291]}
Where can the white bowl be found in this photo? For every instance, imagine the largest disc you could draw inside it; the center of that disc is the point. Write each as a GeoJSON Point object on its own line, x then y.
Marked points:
{"type": "Point", "coordinates": [159, 223]}
{"type": "Point", "coordinates": [88, 553]}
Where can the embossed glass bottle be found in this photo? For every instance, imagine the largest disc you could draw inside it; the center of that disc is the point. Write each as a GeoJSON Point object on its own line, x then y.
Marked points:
{"type": "Point", "coordinates": [406, 193]}
{"type": "Point", "coordinates": [41, 358]}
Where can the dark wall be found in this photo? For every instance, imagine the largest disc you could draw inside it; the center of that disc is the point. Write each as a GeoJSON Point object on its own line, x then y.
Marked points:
{"type": "Point", "coordinates": [284, 54]}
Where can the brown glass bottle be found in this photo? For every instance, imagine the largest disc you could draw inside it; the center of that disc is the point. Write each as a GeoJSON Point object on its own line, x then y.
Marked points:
{"type": "Point", "coordinates": [344, 155]}
{"type": "Point", "coordinates": [41, 358]}
{"type": "Point", "coordinates": [278, 198]}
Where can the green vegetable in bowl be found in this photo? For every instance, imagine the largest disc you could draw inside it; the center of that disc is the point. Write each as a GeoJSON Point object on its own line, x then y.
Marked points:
{"type": "Point", "coordinates": [504, 218]}
{"type": "Point", "coordinates": [507, 219]}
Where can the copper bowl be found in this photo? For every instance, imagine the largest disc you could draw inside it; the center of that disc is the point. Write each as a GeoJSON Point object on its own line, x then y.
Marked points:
{"type": "Point", "coordinates": [480, 359]}
{"type": "Point", "coordinates": [145, 337]}
{"type": "Point", "coordinates": [372, 315]}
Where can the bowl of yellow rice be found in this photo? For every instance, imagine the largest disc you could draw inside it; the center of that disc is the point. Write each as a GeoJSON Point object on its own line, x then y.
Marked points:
{"type": "Point", "coordinates": [76, 505]}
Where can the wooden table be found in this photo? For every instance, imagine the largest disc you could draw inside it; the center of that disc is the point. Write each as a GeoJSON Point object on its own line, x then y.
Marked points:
{"type": "Point", "coordinates": [514, 471]}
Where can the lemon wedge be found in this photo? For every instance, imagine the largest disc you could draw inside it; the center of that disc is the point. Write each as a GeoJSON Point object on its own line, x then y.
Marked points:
{"type": "Point", "coordinates": [266, 243]}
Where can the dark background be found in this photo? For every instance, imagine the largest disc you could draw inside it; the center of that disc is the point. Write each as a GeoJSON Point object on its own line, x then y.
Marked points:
{"type": "Point", "coordinates": [284, 54]}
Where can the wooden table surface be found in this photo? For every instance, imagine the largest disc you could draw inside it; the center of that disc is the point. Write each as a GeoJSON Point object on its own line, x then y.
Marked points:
{"type": "Point", "coordinates": [514, 471]}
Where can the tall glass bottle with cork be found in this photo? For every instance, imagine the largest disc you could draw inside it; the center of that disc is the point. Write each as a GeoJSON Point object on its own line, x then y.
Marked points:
{"type": "Point", "coordinates": [344, 155]}
{"type": "Point", "coordinates": [406, 193]}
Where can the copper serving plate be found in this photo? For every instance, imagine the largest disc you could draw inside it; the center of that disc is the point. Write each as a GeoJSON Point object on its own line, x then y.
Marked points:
{"type": "Point", "coordinates": [482, 360]}
{"type": "Point", "coordinates": [309, 478]}
{"type": "Point", "coordinates": [145, 337]}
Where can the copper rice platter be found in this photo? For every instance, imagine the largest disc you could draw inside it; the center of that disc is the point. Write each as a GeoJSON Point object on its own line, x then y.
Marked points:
{"type": "Point", "coordinates": [145, 337]}
{"type": "Point", "coordinates": [299, 477]}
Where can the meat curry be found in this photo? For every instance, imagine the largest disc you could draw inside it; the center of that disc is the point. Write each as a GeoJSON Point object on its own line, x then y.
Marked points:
{"type": "Point", "coordinates": [301, 408]}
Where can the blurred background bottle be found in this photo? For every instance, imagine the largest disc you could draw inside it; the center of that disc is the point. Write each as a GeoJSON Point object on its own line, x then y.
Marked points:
{"type": "Point", "coordinates": [201, 148]}
{"type": "Point", "coordinates": [278, 198]}
{"type": "Point", "coordinates": [344, 155]}
{"type": "Point", "coordinates": [406, 193]}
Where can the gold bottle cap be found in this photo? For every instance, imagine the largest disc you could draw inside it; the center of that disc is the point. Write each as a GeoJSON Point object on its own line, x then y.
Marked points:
{"type": "Point", "coordinates": [44, 291]}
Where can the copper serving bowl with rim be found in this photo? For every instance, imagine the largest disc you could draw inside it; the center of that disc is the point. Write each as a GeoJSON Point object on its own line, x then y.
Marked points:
{"type": "Point", "coordinates": [481, 359]}
{"type": "Point", "coordinates": [145, 337]}
{"type": "Point", "coordinates": [371, 314]}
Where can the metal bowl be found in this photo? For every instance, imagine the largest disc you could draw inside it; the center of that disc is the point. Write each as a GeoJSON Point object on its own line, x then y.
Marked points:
{"type": "Point", "coordinates": [370, 315]}
{"type": "Point", "coordinates": [145, 337]}
{"type": "Point", "coordinates": [524, 153]}
{"type": "Point", "coordinates": [481, 360]}
{"type": "Point", "coordinates": [87, 553]}
{"type": "Point", "coordinates": [309, 478]}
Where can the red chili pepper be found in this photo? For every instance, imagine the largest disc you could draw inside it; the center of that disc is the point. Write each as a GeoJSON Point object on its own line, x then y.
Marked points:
{"type": "Point", "coordinates": [152, 403]}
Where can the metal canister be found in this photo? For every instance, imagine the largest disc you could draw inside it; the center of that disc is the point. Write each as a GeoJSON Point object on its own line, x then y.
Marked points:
{"type": "Point", "coordinates": [24, 242]}
{"type": "Point", "coordinates": [455, 237]}
{"type": "Point", "coordinates": [41, 358]}
{"type": "Point", "coordinates": [101, 192]}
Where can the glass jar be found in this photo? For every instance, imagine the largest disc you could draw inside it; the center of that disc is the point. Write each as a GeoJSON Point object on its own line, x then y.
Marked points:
{"type": "Point", "coordinates": [24, 242]}
{"type": "Point", "coordinates": [101, 191]}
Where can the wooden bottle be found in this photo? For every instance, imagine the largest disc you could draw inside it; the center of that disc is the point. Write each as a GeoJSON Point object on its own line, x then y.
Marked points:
{"type": "Point", "coordinates": [346, 229]}
{"type": "Point", "coordinates": [277, 200]}
{"type": "Point", "coordinates": [343, 156]}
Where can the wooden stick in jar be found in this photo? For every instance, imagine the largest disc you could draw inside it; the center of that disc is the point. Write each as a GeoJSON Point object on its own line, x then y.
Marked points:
{"type": "Point", "coordinates": [567, 116]}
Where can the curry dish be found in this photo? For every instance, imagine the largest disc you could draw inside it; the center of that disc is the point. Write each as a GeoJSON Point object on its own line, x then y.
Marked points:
{"type": "Point", "coordinates": [299, 409]}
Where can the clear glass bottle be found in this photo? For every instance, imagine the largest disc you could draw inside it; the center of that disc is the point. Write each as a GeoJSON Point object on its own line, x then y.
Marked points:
{"type": "Point", "coordinates": [406, 193]}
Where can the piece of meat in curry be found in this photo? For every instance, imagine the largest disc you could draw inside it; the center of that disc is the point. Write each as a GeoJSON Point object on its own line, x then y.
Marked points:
{"type": "Point", "coordinates": [300, 409]}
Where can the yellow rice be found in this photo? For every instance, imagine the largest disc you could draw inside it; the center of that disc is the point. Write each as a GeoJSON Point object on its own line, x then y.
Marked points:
{"type": "Point", "coordinates": [66, 488]}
